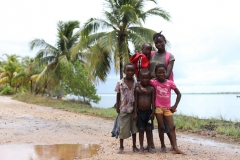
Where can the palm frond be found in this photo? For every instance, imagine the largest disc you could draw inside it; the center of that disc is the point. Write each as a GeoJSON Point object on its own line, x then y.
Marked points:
{"type": "Point", "coordinates": [140, 35]}
{"type": "Point", "coordinates": [4, 80]}
{"type": "Point", "coordinates": [157, 12]}
{"type": "Point", "coordinates": [98, 64]}
{"type": "Point", "coordinates": [93, 24]}
{"type": "Point", "coordinates": [109, 41]}
{"type": "Point", "coordinates": [41, 44]}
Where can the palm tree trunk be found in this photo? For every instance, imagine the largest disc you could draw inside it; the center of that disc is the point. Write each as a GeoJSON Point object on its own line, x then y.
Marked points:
{"type": "Point", "coordinates": [31, 88]}
{"type": "Point", "coordinates": [121, 68]}
{"type": "Point", "coordinates": [60, 93]}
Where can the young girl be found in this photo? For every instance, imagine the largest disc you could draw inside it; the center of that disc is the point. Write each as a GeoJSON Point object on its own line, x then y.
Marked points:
{"type": "Point", "coordinates": [164, 109]}
{"type": "Point", "coordinates": [124, 106]}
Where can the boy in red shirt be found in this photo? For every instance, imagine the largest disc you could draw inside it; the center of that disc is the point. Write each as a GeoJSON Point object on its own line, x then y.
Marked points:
{"type": "Point", "coordinates": [141, 59]}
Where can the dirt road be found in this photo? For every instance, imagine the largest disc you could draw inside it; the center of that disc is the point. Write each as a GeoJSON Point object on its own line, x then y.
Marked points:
{"type": "Point", "coordinates": [22, 123]}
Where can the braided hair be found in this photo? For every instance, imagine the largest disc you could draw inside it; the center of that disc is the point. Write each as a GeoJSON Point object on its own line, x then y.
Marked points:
{"type": "Point", "coordinates": [156, 35]}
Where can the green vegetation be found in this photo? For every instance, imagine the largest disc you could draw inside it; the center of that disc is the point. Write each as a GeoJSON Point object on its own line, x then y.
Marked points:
{"type": "Point", "coordinates": [71, 106]}
{"type": "Point", "coordinates": [109, 37]}
{"type": "Point", "coordinates": [210, 127]}
{"type": "Point", "coordinates": [50, 57]}
{"type": "Point", "coordinates": [7, 91]}
{"type": "Point", "coordinates": [72, 73]}
{"type": "Point", "coordinates": [206, 127]}
{"type": "Point", "coordinates": [82, 55]}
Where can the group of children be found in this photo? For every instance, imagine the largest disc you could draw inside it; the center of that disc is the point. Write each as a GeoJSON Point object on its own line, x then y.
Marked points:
{"type": "Point", "coordinates": [139, 101]}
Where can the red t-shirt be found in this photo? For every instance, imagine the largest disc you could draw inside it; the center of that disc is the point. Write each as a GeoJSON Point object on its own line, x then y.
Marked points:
{"type": "Point", "coordinates": [140, 61]}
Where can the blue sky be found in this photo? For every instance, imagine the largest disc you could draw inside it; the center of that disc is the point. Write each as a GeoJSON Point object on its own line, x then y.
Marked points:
{"type": "Point", "coordinates": [204, 36]}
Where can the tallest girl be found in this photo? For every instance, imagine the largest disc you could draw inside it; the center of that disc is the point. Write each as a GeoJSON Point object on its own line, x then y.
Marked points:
{"type": "Point", "coordinates": [161, 56]}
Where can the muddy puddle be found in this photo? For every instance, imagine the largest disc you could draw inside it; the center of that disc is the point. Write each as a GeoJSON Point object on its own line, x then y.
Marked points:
{"type": "Point", "coordinates": [48, 152]}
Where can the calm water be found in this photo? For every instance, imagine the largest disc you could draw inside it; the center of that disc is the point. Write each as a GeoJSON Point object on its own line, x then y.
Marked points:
{"type": "Point", "coordinates": [226, 106]}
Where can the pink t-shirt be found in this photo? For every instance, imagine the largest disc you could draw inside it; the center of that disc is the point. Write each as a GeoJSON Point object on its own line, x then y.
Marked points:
{"type": "Point", "coordinates": [163, 93]}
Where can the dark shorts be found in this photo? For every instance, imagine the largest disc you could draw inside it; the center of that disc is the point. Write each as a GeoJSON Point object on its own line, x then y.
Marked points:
{"type": "Point", "coordinates": [143, 118]}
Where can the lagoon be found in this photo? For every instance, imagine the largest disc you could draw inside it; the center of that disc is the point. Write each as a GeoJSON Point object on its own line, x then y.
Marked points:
{"type": "Point", "coordinates": [220, 106]}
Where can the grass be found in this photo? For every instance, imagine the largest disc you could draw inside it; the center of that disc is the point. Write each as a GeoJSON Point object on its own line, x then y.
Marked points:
{"type": "Point", "coordinates": [213, 127]}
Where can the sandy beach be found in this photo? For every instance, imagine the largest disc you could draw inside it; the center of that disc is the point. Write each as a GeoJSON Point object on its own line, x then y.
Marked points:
{"type": "Point", "coordinates": [23, 123]}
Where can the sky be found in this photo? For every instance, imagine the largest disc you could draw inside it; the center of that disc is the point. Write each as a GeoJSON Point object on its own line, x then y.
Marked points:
{"type": "Point", "coordinates": [204, 36]}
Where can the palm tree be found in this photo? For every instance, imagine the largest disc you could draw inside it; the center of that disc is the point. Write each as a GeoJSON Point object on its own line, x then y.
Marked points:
{"type": "Point", "coordinates": [30, 69]}
{"type": "Point", "coordinates": [108, 39]}
{"type": "Point", "coordinates": [52, 56]}
{"type": "Point", "coordinates": [8, 69]}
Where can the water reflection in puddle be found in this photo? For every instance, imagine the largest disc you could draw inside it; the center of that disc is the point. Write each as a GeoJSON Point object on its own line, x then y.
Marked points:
{"type": "Point", "coordinates": [48, 152]}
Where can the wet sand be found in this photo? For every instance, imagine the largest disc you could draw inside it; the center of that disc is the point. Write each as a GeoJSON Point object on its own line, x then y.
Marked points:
{"type": "Point", "coordinates": [22, 123]}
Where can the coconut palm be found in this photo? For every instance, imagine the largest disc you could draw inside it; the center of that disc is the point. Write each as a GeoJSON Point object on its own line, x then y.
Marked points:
{"type": "Point", "coordinates": [24, 77]}
{"type": "Point", "coordinates": [51, 56]}
{"type": "Point", "coordinates": [109, 38]}
{"type": "Point", "coordinates": [8, 69]}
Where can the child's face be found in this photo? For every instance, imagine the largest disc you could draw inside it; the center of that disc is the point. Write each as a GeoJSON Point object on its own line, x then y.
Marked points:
{"type": "Point", "coordinates": [160, 74]}
{"type": "Point", "coordinates": [129, 71]}
{"type": "Point", "coordinates": [159, 43]}
{"type": "Point", "coordinates": [145, 78]}
{"type": "Point", "coordinates": [147, 48]}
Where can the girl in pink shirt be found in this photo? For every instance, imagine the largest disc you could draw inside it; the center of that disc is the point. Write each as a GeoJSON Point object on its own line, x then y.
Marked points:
{"type": "Point", "coordinates": [163, 107]}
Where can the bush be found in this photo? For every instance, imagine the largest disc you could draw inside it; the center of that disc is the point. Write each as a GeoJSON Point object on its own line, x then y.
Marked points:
{"type": "Point", "coordinates": [7, 91]}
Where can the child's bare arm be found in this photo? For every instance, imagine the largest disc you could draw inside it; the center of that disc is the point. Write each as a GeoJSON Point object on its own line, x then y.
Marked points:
{"type": "Point", "coordinates": [169, 69]}
{"type": "Point", "coordinates": [153, 102]}
{"type": "Point", "coordinates": [179, 95]}
{"type": "Point", "coordinates": [135, 104]}
{"type": "Point", "coordinates": [141, 87]}
{"type": "Point", "coordinates": [118, 103]}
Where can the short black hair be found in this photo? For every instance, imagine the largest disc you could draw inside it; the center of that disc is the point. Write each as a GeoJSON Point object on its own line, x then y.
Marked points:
{"type": "Point", "coordinates": [129, 63]}
{"type": "Point", "coordinates": [160, 66]}
{"type": "Point", "coordinates": [145, 71]}
{"type": "Point", "coordinates": [156, 35]}
{"type": "Point", "coordinates": [145, 44]}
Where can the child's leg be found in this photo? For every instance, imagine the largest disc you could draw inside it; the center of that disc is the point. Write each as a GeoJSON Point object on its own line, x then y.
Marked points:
{"type": "Point", "coordinates": [167, 131]}
{"type": "Point", "coordinates": [161, 130]}
{"type": "Point", "coordinates": [134, 130]}
{"type": "Point", "coordinates": [141, 138]}
{"type": "Point", "coordinates": [170, 122]}
{"type": "Point", "coordinates": [121, 149]}
{"type": "Point", "coordinates": [124, 129]}
{"type": "Point", "coordinates": [149, 139]}
{"type": "Point", "coordinates": [135, 149]}
{"type": "Point", "coordinates": [152, 142]}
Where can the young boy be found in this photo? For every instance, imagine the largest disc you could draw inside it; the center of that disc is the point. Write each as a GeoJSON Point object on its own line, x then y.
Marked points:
{"type": "Point", "coordinates": [144, 109]}
{"type": "Point", "coordinates": [124, 106]}
{"type": "Point", "coordinates": [141, 60]}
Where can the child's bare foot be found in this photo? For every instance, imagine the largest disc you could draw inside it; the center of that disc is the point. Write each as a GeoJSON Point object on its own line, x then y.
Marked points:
{"type": "Point", "coordinates": [141, 150]}
{"type": "Point", "coordinates": [153, 146]}
{"type": "Point", "coordinates": [163, 149]}
{"type": "Point", "coordinates": [151, 150]}
{"type": "Point", "coordinates": [121, 151]}
{"type": "Point", "coordinates": [146, 148]}
{"type": "Point", "coordinates": [135, 149]}
{"type": "Point", "coordinates": [177, 151]}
